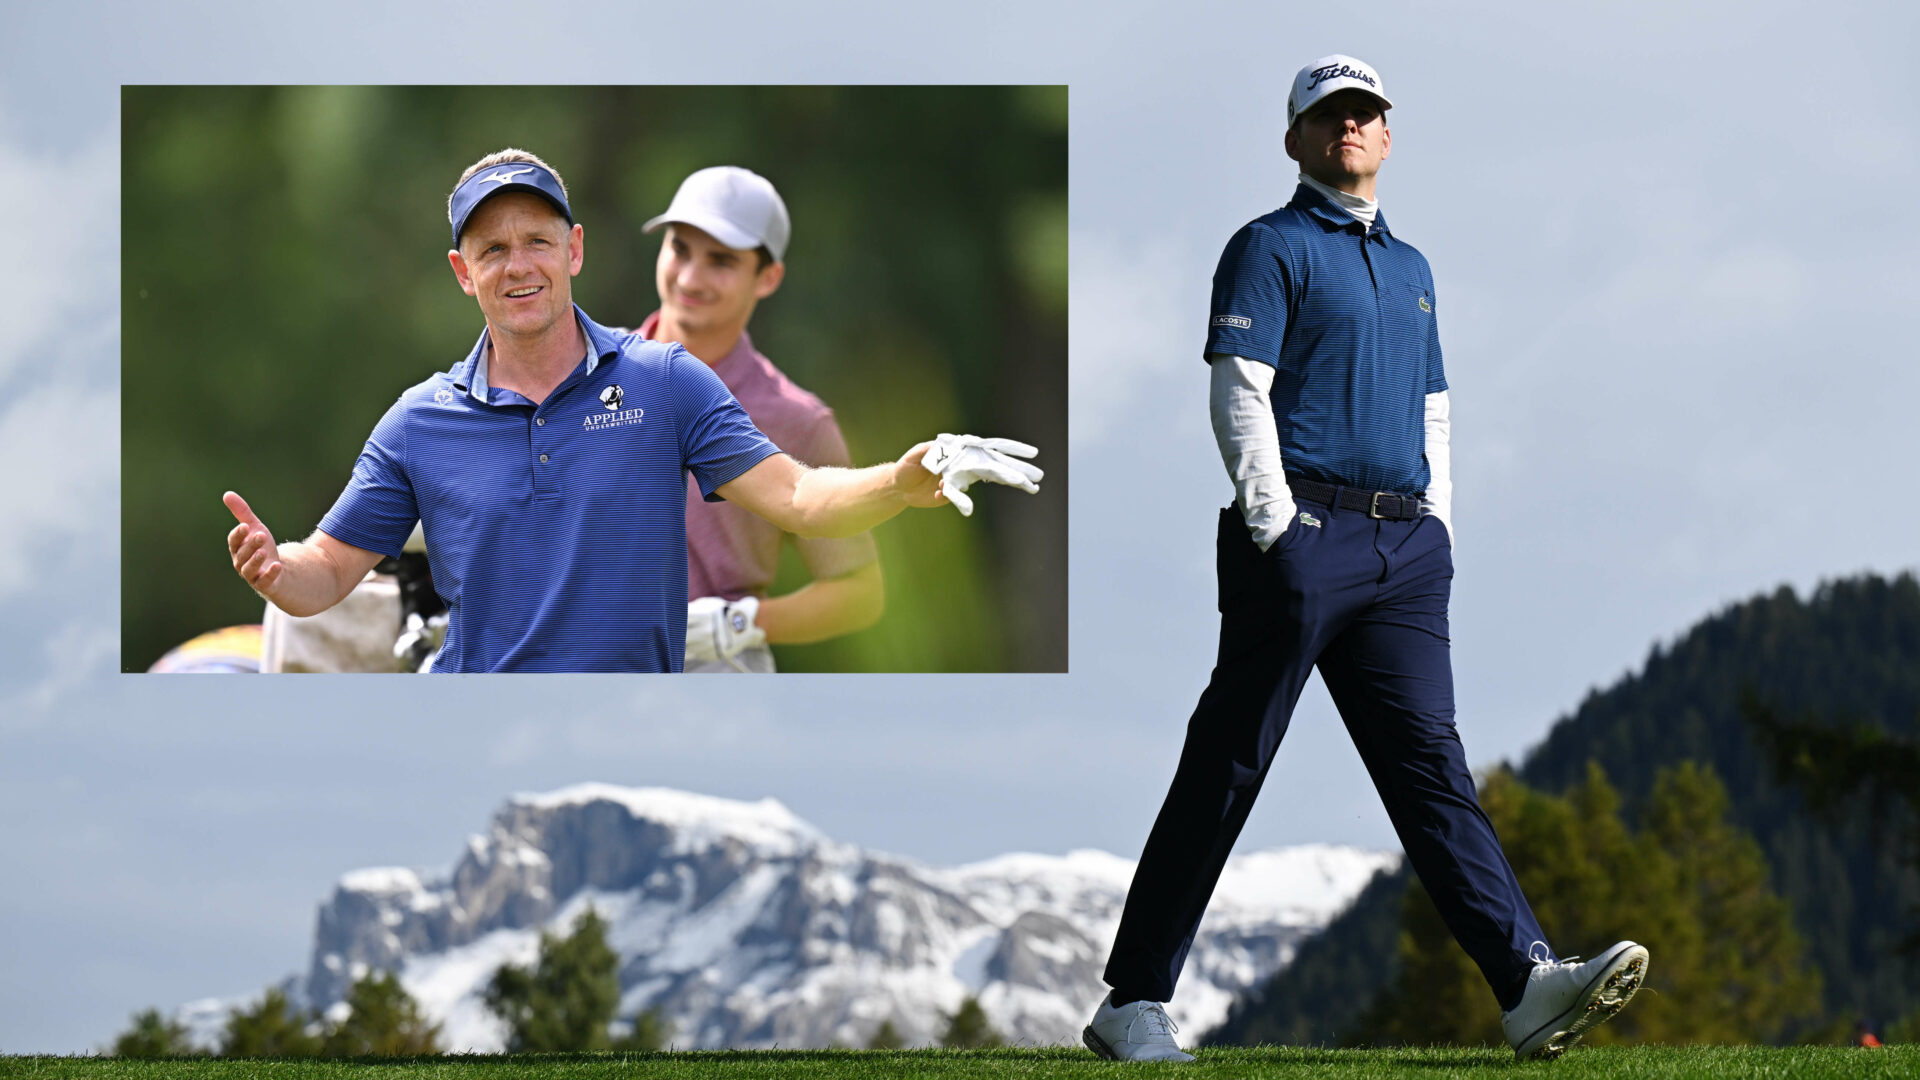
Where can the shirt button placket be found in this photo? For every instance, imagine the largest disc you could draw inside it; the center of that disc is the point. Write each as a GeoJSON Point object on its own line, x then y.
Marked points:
{"type": "Point", "coordinates": [543, 481]}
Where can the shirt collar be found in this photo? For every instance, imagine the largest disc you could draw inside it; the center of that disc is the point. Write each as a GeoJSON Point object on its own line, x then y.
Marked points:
{"type": "Point", "coordinates": [471, 374]}
{"type": "Point", "coordinates": [1312, 202]}
{"type": "Point", "coordinates": [740, 351]}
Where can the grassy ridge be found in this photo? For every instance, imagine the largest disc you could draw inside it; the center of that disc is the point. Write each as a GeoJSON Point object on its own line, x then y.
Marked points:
{"type": "Point", "coordinates": [1237, 1063]}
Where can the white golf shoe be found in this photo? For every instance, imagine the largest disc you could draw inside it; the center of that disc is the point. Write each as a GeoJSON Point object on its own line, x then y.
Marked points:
{"type": "Point", "coordinates": [1136, 1031]}
{"type": "Point", "coordinates": [1564, 1000]}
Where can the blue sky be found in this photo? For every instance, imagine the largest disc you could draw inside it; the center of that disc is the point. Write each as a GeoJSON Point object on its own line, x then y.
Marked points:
{"type": "Point", "coordinates": [1673, 251]}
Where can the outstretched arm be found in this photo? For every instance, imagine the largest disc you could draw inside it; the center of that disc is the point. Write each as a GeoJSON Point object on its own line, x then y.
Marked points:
{"type": "Point", "coordinates": [299, 578]}
{"type": "Point", "coordinates": [833, 502]}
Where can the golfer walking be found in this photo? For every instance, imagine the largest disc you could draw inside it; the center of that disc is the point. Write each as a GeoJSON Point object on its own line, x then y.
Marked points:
{"type": "Point", "coordinates": [1330, 407]}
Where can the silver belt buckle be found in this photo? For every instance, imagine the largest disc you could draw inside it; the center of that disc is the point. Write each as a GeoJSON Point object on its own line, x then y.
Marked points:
{"type": "Point", "coordinates": [1373, 508]}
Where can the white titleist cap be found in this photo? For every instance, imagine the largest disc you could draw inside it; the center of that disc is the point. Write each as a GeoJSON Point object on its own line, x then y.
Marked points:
{"type": "Point", "coordinates": [737, 207]}
{"type": "Point", "coordinates": [1330, 75]}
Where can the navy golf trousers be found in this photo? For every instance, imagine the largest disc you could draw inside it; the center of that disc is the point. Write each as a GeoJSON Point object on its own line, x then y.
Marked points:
{"type": "Point", "coordinates": [1366, 600]}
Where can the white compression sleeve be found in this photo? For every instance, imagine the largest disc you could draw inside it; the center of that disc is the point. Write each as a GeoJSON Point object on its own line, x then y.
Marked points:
{"type": "Point", "coordinates": [1249, 441]}
{"type": "Point", "coordinates": [1439, 501]}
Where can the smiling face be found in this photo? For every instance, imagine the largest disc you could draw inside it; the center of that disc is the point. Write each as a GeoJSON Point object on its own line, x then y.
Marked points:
{"type": "Point", "coordinates": [1341, 141]}
{"type": "Point", "coordinates": [708, 289]}
{"type": "Point", "coordinates": [518, 257]}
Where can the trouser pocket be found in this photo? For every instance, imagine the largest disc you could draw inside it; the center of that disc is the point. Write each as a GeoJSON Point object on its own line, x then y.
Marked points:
{"type": "Point", "coordinates": [1239, 564]}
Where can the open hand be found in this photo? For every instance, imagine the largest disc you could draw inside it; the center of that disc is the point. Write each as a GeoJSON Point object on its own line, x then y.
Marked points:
{"type": "Point", "coordinates": [256, 558]}
{"type": "Point", "coordinates": [962, 460]}
{"type": "Point", "coordinates": [918, 485]}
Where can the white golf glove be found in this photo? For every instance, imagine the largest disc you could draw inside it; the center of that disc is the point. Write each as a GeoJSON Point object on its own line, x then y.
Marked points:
{"type": "Point", "coordinates": [718, 628]}
{"type": "Point", "coordinates": [959, 460]}
{"type": "Point", "coordinates": [420, 641]}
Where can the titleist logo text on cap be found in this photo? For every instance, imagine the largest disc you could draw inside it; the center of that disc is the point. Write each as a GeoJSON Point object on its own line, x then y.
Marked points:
{"type": "Point", "coordinates": [1335, 71]}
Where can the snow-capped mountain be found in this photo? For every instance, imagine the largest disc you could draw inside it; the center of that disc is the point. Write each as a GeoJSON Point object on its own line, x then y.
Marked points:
{"type": "Point", "coordinates": [746, 927]}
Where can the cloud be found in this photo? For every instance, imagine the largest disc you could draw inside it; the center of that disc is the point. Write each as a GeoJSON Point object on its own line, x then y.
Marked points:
{"type": "Point", "coordinates": [64, 439]}
{"type": "Point", "coordinates": [73, 655]}
{"type": "Point", "coordinates": [60, 425]}
{"type": "Point", "coordinates": [67, 216]}
{"type": "Point", "coordinates": [1131, 325]}
{"type": "Point", "coordinates": [657, 721]}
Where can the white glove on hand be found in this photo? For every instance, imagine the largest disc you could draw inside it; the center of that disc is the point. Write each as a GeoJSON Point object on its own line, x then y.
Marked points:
{"type": "Point", "coordinates": [959, 460]}
{"type": "Point", "coordinates": [420, 642]}
{"type": "Point", "coordinates": [718, 628]}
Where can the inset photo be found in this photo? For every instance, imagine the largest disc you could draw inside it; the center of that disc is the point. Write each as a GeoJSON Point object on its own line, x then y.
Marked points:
{"type": "Point", "coordinates": [594, 379]}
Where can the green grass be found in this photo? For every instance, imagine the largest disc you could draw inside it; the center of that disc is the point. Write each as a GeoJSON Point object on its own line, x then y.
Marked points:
{"type": "Point", "coordinates": [1228, 1063]}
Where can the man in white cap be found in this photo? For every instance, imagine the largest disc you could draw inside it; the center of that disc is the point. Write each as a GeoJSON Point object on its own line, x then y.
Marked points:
{"type": "Point", "coordinates": [724, 251]}
{"type": "Point", "coordinates": [1330, 409]}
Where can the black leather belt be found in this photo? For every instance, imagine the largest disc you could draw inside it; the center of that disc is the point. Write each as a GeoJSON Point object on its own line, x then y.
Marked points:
{"type": "Point", "coordinates": [1386, 505]}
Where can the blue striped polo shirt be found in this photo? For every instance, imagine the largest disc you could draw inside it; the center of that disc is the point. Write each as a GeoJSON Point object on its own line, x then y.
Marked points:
{"type": "Point", "coordinates": [556, 532]}
{"type": "Point", "coordinates": [1345, 314]}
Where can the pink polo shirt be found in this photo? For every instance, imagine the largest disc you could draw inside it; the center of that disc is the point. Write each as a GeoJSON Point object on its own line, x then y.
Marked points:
{"type": "Point", "coordinates": [731, 551]}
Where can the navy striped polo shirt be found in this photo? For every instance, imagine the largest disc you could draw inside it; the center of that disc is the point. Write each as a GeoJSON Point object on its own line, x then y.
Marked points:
{"type": "Point", "coordinates": [1346, 316]}
{"type": "Point", "coordinates": [556, 532]}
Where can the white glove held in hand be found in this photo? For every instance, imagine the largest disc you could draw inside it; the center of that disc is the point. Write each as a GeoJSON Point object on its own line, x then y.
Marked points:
{"type": "Point", "coordinates": [718, 628]}
{"type": "Point", "coordinates": [959, 460]}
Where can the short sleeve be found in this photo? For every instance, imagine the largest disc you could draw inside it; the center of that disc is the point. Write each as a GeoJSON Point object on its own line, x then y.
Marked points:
{"type": "Point", "coordinates": [1436, 371]}
{"type": "Point", "coordinates": [377, 511]}
{"type": "Point", "coordinates": [830, 557]}
{"type": "Point", "coordinates": [1252, 293]}
{"type": "Point", "coordinates": [718, 441]}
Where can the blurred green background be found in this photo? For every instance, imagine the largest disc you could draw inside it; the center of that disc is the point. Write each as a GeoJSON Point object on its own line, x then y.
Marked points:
{"type": "Point", "coordinates": [285, 277]}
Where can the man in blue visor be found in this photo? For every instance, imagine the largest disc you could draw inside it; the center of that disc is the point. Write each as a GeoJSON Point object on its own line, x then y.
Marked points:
{"type": "Point", "coordinates": [548, 468]}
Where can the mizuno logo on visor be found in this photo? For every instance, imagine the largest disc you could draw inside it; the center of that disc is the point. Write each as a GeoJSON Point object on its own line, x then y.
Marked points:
{"type": "Point", "coordinates": [504, 177]}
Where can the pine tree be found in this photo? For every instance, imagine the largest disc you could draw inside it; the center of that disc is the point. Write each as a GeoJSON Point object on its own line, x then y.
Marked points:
{"type": "Point", "coordinates": [968, 1028]}
{"type": "Point", "coordinates": [383, 1021]}
{"type": "Point", "coordinates": [1743, 977]}
{"type": "Point", "coordinates": [1838, 763]}
{"type": "Point", "coordinates": [566, 1002]}
{"type": "Point", "coordinates": [651, 1031]}
{"type": "Point", "coordinates": [269, 1029]}
{"type": "Point", "coordinates": [1560, 848]}
{"type": "Point", "coordinates": [153, 1036]}
{"type": "Point", "coordinates": [886, 1037]}
{"type": "Point", "coordinates": [1727, 966]}
{"type": "Point", "coordinates": [1843, 767]}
